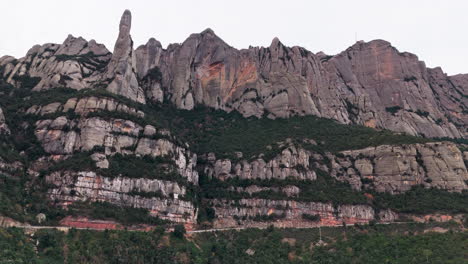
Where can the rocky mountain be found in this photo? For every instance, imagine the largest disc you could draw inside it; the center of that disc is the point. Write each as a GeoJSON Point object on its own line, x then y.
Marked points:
{"type": "Point", "coordinates": [371, 84]}
{"type": "Point", "coordinates": [202, 133]}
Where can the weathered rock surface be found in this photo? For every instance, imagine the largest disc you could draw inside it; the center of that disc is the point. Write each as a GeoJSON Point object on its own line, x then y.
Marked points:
{"type": "Point", "coordinates": [249, 212]}
{"type": "Point", "coordinates": [121, 70]}
{"type": "Point", "coordinates": [88, 186]}
{"type": "Point", "coordinates": [396, 169]}
{"type": "Point", "coordinates": [370, 83]}
{"type": "Point", "coordinates": [288, 191]}
{"type": "Point", "coordinates": [357, 86]}
{"type": "Point", "coordinates": [85, 105]}
{"type": "Point", "coordinates": [385, 168]}
{"type": "Point", "coordinates": [291, 162]}
{"type": "Point", "coordinates": [75, 64]}
{"type": "Point", "coordinates": [62, 136]}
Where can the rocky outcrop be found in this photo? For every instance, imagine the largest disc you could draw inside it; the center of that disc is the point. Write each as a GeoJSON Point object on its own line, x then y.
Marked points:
{"type": "Point", "coordinates": [121, 70]}
{"type": "Point", "coordinates": [370, 83]}
{"type": "Point", "coordinates": [386, 168]}
{"type": "Point", "coordinates": [75, 64]}
{"type": "Point", "coordinates": [288, 190]}
{"type": "Point", "coordinates": [79, 64]}
{"type": "Point", "coordinates": [84, 106]}
{"type": "Point", "coordinates": [164, 199]}
{"type": "Point", "coordinates": [396, 169]}
{"type": "Point", "coordinates": [382, 87]}
{"type": "Point", "coordinates": [292, 162]}
{"type": "Point", "coordinates": [205, 70]}
{"type": "Point", "coordinates": [284, 213]}
{"type": "Point", "coordinates": [62, 136]}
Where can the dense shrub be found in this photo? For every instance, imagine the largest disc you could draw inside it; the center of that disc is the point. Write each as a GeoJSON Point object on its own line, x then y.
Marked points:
{"type": "Point", "coordinates": [179, 231]}
{"type": "Point", "coordinates": [422, 201]}
{"type": "Point", "coordinates": [313, 218]}
{"type": "Point", "coordinates": [393, 110]}
{"type": "Point", "coordinates": [107, 211]}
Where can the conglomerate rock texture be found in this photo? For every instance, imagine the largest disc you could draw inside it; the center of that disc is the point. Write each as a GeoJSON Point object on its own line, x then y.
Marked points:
{"type": "Point", "coordinates": [396, 169]}
{"type": "Point", "coordinates": [88, 186]}
{"type": "Point", "coordinates": [370, 83]}
{"type": "Point", "coordinates": [386, 168]}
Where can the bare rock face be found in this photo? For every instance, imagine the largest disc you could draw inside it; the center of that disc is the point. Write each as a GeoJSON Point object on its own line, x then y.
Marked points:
{"type": "Point", "coordinates": [370, 83]}
{"type": "Point", "coordinates": [64, 137]}
{"type": "Point", "coordinates": [75, 130]}
{"type": "Point", "coordinates": [386, 168]}
{"type": "Point", "coordinates": [70, 187]}
{"type": "Point", "coordinates": [121, 70]}
{"type": "Point", "coordinates": [396, 169]}
{"type": "Point", "coordinates": [382, 87]}
{"type": "Point", "coordinates": [291, 162]}
{"type": "Point", "coordinates": [75, 64]}
{"type": "Point", "coordinates": [148, 58]}
{"type": "Point", "coordinates": [255, 212]}
{"type": "Point", "coordinates": [84, 106]}
{"type": "Point", "coordinates": [205, 70]}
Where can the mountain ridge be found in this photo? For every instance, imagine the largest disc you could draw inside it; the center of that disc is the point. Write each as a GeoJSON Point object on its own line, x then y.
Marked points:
{"type": "Point", "coordinates": [370, 83]}
{"type": "Point", "coordinates": [202, 133]}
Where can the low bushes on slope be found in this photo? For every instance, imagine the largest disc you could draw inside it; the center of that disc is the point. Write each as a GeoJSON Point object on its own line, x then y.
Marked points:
{"type": "Point", "coordinates": [358, 244]}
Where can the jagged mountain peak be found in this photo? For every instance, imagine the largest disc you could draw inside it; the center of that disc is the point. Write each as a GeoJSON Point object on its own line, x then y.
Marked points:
{"type": "Point", "coordinates": [94, 145]}
{"type": "Point", "coordinates": [126, 22]}
{"type": "Point", "coordinates": [357, 86]}
{"type": "Point", "coordinates": [121, 73]}
{"type": "Point", "coordinates": [208, 31]}
{"type": "Point", "coordinates": [275, 43]}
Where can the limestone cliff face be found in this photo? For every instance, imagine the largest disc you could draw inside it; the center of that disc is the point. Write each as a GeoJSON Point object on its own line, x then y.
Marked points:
{"type": "Point", "coordinates": [284, 213]}
{"type": "Point", "coordinates": [393, 169]}
{"type": "Point", "coordinates": [76, 125]}
{"type": "Point", "coordinates": [69, 187]}
{"type": "Point", "coordinates": [374, 77]}
{"type": "Point", "coordinates": [61, 136]}
{"type": "Point", "coordinates": [79, 64]}
{"type": "Point", "coordinates": [76, 64]}
{"type": "Point", "coordinates": [290, 163]}
{"type": "Point", "coordinates": [396, 169]}
{"type": "Point", "coordinates": [370, 83]}
{"type": "Point", "coordinates": [205, 70]}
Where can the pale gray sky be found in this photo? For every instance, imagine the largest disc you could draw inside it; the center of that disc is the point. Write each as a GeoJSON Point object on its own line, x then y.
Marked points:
{"type": "Point", "coordinates": [434, 30]}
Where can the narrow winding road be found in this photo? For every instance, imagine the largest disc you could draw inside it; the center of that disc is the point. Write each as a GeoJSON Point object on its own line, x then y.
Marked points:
{"type": "Point", "coordinates": [67, 228]}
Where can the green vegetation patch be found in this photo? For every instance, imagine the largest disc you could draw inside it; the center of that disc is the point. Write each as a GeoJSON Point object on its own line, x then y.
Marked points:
{"type": "Point", "coordinates": [22, 200]}
{"type": "Point", "coordinates": [208, 130]}
{"type": "Point", "coordinates": [323, 189]}
{"type": "Point", "coordinates": [107, 211]}
{"type": "Point", "coordinates": [358, 244]}
{"type": "Point", "coordinates": [420, 200]}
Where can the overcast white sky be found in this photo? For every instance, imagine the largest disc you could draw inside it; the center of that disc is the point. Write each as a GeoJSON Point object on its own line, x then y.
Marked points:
{"type": "Point", "coordinates": [434, 30]}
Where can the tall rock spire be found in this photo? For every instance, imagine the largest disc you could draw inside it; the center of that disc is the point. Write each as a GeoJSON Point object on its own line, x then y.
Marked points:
{"type": "Point", "coordinates": [121, 71]}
